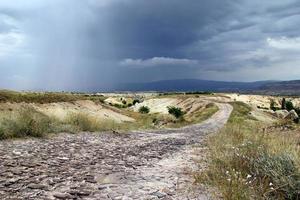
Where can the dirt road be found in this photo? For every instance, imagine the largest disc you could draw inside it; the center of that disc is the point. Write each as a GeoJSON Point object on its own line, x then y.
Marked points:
{"type": "Point", "coordinates": [138, 165]}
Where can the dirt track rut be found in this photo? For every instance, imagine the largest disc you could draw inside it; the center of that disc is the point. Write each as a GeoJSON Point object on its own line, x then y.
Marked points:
{"type": "Point", "coordinates": [138, 165]}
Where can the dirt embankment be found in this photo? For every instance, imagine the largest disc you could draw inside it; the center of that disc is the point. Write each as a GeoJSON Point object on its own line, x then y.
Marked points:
{"type": "Point", "coordinates": [263, 101]}
{"type": "Point", "coordinates": [62, 109]}
{"type": "Point", "coordinates": [160, 105]}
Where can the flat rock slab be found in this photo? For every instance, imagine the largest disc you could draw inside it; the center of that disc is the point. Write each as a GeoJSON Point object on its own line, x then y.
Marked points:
{"type": "Point", "coordinates": [138, 165]}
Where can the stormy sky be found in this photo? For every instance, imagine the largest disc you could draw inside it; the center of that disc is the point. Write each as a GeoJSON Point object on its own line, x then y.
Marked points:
{"type": "Point", "coordinates": [100, 44]}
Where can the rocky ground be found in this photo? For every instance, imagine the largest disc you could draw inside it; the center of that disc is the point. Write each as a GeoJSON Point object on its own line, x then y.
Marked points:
{"type": "Point", "coordinates": [138, 165]}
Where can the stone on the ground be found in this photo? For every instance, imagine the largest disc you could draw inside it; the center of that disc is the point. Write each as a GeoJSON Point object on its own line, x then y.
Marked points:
{"type": "Point", "coordinates": [281, 113]}
{"type": "Point", "coordinates": [139, 165]}
{"type": "Point", "coordinates": [292, 115]}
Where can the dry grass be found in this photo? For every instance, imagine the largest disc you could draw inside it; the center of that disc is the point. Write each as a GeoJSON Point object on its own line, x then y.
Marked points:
{"type": "Point", "coordinates": [45, 97]}
{"type": "Point", "coordinates": [248, 163]}
{"type": "Point", "coordinates": [23, 123]}
{"type": "Point", "coordinates": [28, 122]}
{"type": "Point", "coordinates": [85, 122]}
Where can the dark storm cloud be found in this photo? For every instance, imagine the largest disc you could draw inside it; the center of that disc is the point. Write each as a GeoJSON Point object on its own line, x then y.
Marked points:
{"type": "Point", "coordinates": [145, 29]}
{"type": "Point", "coordinates": [96, 44]}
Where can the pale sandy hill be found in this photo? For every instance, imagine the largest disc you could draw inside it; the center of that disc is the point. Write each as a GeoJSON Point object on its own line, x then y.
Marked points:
{"type": "Point", "coordinates": [261, 100]}
{"type": "Point", "coordinates": [62, 109]}
{"type": "Point", "coordinates": [159, 105]}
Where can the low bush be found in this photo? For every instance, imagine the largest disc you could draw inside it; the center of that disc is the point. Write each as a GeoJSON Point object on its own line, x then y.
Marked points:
{"type": "Point", "coordinates": [176, 112]}
{"type": "Point", "coordinates": [144, 109]}
{"type": "Point", "coordinates": [289, 105]}
{"type": "Point", "coordinates": [129, 105]}
{"type": "Point", "coordinates": [277, 176]}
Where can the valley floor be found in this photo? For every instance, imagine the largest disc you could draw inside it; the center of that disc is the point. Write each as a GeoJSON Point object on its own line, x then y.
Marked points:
{"type": "Point", "coordinates": [137, 165]}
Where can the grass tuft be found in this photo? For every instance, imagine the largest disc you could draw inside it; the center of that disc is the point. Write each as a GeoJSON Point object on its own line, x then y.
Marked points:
{"type": "Point", "coordinates": [85, 122]}
{"type": "Point", "coordinates": [26, 122]}
{"type": "Point", "coordinates": [246, 162]}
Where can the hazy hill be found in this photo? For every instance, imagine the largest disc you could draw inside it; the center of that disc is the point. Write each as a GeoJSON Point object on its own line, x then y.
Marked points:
{"type": "Point", "coordinates": [194, 85]}
{"type": "Point", "coordinates": [260, 87]}
{"type": "Point", "coordinates": [283, 87]}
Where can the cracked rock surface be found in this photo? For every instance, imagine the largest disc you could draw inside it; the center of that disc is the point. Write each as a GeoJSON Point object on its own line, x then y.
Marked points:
{"type": "Point", "coordinates": [137, 165]}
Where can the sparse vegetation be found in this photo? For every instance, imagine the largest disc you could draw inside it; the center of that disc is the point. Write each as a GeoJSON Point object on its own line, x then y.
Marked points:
{"type": "Point", "coordinates": [45, 97]}
{"type": "Point", "coordinates": [200, 93]}
{"type": "Point", "coordinates": [26, 122]}
{"type": "Point", "coordinates": [83, 122]}
{"type": "Point", "coordinates": [186, 93]}
{"type": "Point", "coordinates": [249, 162]}
{"type": "Point", "coordinates": [144, 109]}
{"type": "Point", "coordinates": [197, 116]}
{"type": "Point", "coordinates": [79, 120]}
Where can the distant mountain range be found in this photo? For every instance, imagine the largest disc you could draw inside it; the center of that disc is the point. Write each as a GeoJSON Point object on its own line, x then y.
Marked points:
{"type": "Point", "coordinates": [281, 87]}
{"type": "Point", "coordinates": [260, 87]}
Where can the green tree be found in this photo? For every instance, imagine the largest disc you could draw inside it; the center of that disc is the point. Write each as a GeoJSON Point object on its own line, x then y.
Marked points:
{"type": "Point", "coordinates": [283, 104]}
{"type": "Point", "coordinates": [135, 101]}
{"type": "Point", "coordinates": [176, 112]}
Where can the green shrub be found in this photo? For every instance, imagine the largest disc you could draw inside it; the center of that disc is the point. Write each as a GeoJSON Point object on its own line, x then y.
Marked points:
{"type": "Point", "coordinates": [176, 112]}
{"type": "Point", "coordinates": [144, 110]}
{"type": "Point", "coordinates": [124, 102]}
{"type": "Point", "coordinates": [277, 176]}
{"type": "Point", "coordinates": [289, 105]}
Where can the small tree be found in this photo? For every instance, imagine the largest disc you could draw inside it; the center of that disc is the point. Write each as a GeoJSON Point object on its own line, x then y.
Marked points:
{"type": "Point", "coordinates": [124, 102]}
{"type": "Point", "coordinates": [283, 104]}
{"type": "Point", "coordinates": [176, 112]}
{"type": "Point", "coordinates": [144, 110]}
{"type": "Point", "coordinates": [289, 105]}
